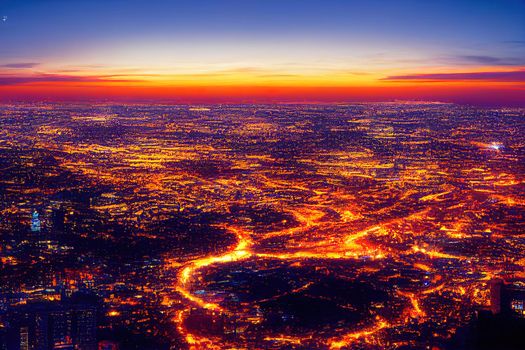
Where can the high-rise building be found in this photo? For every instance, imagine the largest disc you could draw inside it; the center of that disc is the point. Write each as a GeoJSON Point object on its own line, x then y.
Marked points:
{"type": "Point", "coordinates": [24, 338]}
{"type": "Point", "coordinates": [52, 325]}
{"type": "Point", "coordinates": [507, 298]}
{"type": "Point", "coordinates": [495, 295]}
{"type": "Point", "coordinates": [35, 222]}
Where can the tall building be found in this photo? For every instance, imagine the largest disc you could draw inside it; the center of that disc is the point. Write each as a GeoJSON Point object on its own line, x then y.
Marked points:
{"type": "Point", "coordinates": [507, 298]}
{"type": "Point", "coordinates": [52, 326]}
{"type": "Point", "coordinates": [35, 222]}
{"type": "Point", "coordinates": [24, 338]}
{"type": "Point", "coordinates": [495, 295]}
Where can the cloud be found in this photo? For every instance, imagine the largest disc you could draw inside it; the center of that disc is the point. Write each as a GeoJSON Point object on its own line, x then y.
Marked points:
{"type": "Point", "coordinates": [54, 78]}
{"type": "Point", "coordinates": [511, 76]}
{"type": "Point", "coordinates": [515, 42]}
{"type": "Point", "coordinates": [20, 65]}
{"type": "Point", "coordinates": [491, 60]}
{"type": "Point", "coordinates": [487, 59]}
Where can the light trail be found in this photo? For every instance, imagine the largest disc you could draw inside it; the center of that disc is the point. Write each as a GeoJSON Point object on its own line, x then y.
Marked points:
{"type": "Point", "coordinates": [294, 291]}
{"type": "Point", "coordinates": [435, 254]}
{"type": "Point", "coordinates": [242, 251]}
{"type": "Point", "coordinates": [195, 342]}
{"type": "Point", "coordinates": [344, 249]}
{"type": "Point", "coordinates": [239, 252]}
{"type": "Point", "coordinates": [350, 239]}
{"type": "Point", "coordinates": [416, 311]}
{"type": "Point", "coordinates": [286, 339]}
{"type": "Point", "coordinates": [307, 218]}
{"type": "Point", "coordinates": [349, 338]}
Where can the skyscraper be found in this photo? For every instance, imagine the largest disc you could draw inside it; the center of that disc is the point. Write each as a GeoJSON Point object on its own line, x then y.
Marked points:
{"type": "Point", "coordinates": [53, 325]}
{"type": "Point", "coordinates": [507, 298]}
{"type": "Point", "coordinates": [35, 222]}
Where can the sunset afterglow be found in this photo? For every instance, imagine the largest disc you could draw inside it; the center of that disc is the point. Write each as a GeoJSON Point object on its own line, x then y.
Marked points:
{"type": "Point", "coordinates": [285, 51]}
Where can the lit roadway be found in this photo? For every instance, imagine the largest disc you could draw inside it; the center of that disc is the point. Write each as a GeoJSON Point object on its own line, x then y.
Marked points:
{"type": "Point", "coordinates": [349, 249]}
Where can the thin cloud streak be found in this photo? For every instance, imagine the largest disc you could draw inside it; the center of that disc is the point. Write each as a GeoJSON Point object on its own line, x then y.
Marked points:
{"type": "Point", "coordinates": [512, 76]}
{"type": "Point", "coordinates": [491, 60]}
{"type": "Point", "coordinates": [54, 78]}
{"type": "Point", "coordinates": [20, 65]}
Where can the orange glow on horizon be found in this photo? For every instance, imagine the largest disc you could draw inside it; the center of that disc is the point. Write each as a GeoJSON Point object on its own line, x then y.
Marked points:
{"type": "Point", "coordinates": [510, 94]}
{"type": "Point", "coordinates": [448, 84]}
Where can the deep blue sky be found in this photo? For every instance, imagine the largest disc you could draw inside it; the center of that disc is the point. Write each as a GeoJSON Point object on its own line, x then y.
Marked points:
{"type": "Point", "coordinates": [41, 30]}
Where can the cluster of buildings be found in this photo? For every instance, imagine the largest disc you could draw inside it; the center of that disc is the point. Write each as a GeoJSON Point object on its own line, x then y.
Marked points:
{"type": "Point", "coordinates": [241, 225]}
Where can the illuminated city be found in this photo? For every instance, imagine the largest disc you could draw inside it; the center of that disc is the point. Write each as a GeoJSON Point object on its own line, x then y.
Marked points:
{"type": "Point", "coordinates": [263, 226]}
{"type": "Point", "coordinates": [242, 179]}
